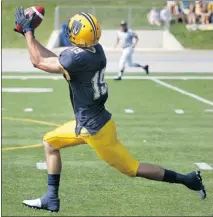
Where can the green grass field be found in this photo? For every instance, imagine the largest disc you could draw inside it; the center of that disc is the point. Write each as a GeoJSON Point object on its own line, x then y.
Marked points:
{"type": "Point", "coordinates": [89, 187]}
{"type": "Point", "coordinates": [196, 39]}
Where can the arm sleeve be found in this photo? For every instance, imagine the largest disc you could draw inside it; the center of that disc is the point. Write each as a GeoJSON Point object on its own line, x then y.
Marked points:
{"type": "Point", "coordinates": [117, 35]}
{"type": "Point", "coordinates": [133, 34]}
{"type": "Point", "coordinates": [68, 61]}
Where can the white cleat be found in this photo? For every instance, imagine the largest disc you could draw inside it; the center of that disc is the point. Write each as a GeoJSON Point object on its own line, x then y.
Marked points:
{"type": "Point", "coordinates": [33, 203]}
{"type": "Point", "coordinates": [52, 205]}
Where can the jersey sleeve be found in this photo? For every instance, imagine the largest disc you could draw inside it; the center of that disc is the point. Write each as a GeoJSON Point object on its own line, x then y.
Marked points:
{"type": "Point", "coordinates": [68, 60]}
{"type": "Point", "coordinates": [133, 34]}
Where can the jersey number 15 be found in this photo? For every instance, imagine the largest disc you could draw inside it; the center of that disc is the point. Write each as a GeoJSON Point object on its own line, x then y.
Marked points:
{"type": "Point", "coordinates": [99, 85]}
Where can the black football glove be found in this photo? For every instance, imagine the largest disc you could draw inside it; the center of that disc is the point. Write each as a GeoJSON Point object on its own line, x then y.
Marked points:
{"type": "Point", "coordinates": [25, 24]}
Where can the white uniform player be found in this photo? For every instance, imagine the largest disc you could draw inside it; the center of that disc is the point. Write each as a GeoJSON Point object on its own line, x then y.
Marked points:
{"type": "Point", "coordinates": [125, 37]}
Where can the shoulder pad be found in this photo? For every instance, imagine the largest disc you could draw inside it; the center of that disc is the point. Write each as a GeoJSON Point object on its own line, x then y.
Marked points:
{"type": "Point", "coordinates": [67, 59]}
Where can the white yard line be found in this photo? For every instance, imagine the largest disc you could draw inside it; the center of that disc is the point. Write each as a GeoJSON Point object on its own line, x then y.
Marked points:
{"type": "Point", "coordinates": [208, 110]}
{"type": "Point", "coordinates": [25, 77]}
{"type": "Point", "coordinates": [28, 110]}
{"type": "Point", "coordinates": [21, 77]}
{"type": "Point", "coordinates": [41, 165]}
{"type": "Point", "coordinates": [179, 111]}
{"type": "Point", "coordinates": [26, 90]}
{"type": "Point", "coordinates": [130, 111]}
{"type": "Point", "coordinates": [169, 86]}
{"type": "Point", "coordinates": [204, 166]}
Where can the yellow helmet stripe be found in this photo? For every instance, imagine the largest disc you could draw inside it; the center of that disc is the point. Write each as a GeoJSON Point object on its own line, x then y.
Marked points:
{"type": "Point", "coordinates": [89, 18]}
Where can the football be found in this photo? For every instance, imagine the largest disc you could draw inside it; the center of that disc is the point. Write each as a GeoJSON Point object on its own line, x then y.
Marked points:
{"type": "Point", "coordinates": [39, 10]}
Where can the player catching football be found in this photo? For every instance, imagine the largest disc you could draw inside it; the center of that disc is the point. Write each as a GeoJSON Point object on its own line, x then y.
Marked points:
{"type": "Point", "coordinates": [125, 37]}
{"type": "Point", "coordinates": [83, 66]}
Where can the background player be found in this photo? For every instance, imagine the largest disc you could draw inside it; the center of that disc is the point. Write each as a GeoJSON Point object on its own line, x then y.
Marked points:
{"type": "Point", "coordinates": [83, 67]}
{"type": "Point", "coordinates": [125, 37]}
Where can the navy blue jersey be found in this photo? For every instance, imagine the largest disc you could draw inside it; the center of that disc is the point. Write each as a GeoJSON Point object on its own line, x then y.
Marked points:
{"type": "Point", "coordinates": [88, 90]}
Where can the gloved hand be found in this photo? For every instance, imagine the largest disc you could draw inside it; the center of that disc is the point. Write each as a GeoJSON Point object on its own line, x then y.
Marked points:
{"type": "Point", "coordinates": [23, 22]}
{"type": "Point", "coordinates": [18, 29]}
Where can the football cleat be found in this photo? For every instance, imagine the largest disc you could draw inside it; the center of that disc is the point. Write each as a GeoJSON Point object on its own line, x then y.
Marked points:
{"type": "Point", "coordinates": [194, 182]}
{"type": "Point", "coordinates": [52, 205]}
{"type": "Point", "coordinates": [146, 68]}
{"type": "Point", "coordinates": [118, 78]}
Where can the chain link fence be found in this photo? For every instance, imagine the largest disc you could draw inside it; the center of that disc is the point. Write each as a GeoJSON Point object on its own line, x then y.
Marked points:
{"type": "Point", "coordinates": [109, 16]}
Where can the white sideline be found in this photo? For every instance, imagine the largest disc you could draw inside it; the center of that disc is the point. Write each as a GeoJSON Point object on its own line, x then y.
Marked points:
{"type": "Point", "coordinates": [26, 90]}
{"type": "Point", "coordinates": [169, 86]}
{"type": "Point", "coordinates": [21, 77]}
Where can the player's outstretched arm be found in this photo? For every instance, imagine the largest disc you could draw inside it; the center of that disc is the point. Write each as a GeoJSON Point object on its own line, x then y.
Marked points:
{"type": "Point", "coordinates": [41, 57]}
{"type": "Point", "coordinates": [116, 43]}
{"type": "Point", "coordinates": [135, 36]}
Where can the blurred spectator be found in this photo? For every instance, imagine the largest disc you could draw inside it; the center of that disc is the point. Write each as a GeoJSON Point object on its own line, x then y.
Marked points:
{"type": "Point", "coordinates": [205, 14]}
{"type": "Point", "coordinates": [64, 40]}
{"type": "Point", "coordinates": [210, 8]}
{"type": "Point", "coordinates": [185, 6]}
{"type": "Point", "coordinates": [187, 11]}
{"type": "Point", "coordinates": [179, 15]}
{"type": "Point", "coordinates": [198, 8]}
{"type": "Point", "coordinates": [191, 14]}
{"type": "Point", "coordinates": [165, 16]}
{"type": "Point", "coordinates": [171, 6]}
{"type": "Point", "coordinates": [154, 17]}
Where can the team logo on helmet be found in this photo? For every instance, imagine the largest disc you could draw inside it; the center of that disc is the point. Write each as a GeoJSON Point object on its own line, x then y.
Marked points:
{"type": "Point", "coordinates": [76, 27]}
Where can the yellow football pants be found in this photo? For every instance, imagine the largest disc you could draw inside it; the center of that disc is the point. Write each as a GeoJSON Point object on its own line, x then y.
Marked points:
{"type": "Point", "coordinates": [104, 142]}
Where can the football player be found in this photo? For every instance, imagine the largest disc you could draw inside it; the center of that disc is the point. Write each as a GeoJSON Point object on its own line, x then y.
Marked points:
{"type": "Point", "coordinates": [125, 37]}
{"type": "Point", "coordinates": [83, 66]}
